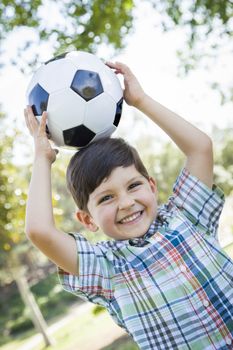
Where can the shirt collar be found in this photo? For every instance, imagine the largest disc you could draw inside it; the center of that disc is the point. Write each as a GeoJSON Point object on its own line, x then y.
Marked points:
{"type": "Point", "coordinates": [143, 240]}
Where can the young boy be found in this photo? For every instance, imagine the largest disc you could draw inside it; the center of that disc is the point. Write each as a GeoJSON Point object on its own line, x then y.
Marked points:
{"type": "Point", "coordinates": [163, 277]}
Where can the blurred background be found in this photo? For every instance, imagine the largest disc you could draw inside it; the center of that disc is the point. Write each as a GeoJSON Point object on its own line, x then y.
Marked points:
{"type": "Point", "coordinates": [181, 52]}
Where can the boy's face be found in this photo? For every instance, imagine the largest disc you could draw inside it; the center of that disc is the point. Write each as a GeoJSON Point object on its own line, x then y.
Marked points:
{"type": "Point", "coordinates": [123, 205]}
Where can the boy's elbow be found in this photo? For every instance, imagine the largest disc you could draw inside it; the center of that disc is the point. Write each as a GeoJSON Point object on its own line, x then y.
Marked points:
{"type": "Point", "coordinates": [31, 233]}
{"type": "Point", "coordinates": [35, 235]}
{"type": "Point", "coordinates": [208, 142]}
{"type": "Point", "coordinates": [208, 146]}
{"type": "Point", "coordinates": [205, 144]}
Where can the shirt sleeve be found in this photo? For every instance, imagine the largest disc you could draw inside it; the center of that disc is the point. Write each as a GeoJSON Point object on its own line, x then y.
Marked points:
{"type": "Point", "coordinates": [94, 280]}
{"type": "Point", "coordinates": [200, 204]}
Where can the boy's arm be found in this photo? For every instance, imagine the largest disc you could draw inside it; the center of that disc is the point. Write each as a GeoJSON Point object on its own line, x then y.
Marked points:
{"type": "Point", "coordinates": [40, 226]}
{"type": "Point", "coordinates": [195, 144]}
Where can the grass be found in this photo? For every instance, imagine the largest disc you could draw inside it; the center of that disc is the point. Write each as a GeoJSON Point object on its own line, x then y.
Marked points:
{"type": "Point", "coordinates": [79, 333]}
{"type": "Point", "coordinates": [124, 343]}
{"type": "Point", "coordinates": [229, 250]}
{"type": "Point", "coordinates": [17, 341]}
{"type": "Point", "coordinates": [51, 298]}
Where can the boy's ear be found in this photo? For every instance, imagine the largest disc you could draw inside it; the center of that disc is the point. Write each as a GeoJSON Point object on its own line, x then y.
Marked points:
{"type": "Point", "coordinates": [86, 220]}
{"type": "Point", "coordinates": [153, 185]}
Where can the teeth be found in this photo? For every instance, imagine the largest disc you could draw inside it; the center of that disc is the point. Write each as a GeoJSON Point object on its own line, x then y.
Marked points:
{"type": "Point", "coordinates": [130, 218]}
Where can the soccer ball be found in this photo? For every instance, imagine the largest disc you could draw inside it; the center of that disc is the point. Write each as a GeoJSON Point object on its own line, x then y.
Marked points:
{"type": "Point", "coordinates": [83, 98]}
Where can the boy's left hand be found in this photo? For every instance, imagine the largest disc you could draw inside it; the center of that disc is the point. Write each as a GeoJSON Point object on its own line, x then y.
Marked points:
{"type": "Point", "coordinates": [133, 92]}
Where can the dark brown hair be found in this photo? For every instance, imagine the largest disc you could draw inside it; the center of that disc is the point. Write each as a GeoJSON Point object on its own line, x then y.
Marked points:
{"type": "Point", "coordinates": [94, 163]}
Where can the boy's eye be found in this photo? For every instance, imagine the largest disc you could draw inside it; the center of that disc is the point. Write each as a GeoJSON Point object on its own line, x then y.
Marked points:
{"type": "Point", "coordinates": [134, 184]}
{"type": "Point", "coordinates": [105, 198]}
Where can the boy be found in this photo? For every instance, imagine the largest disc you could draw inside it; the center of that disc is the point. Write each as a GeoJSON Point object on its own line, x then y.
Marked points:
{"type": "Point", "coordinates": [164, 277]}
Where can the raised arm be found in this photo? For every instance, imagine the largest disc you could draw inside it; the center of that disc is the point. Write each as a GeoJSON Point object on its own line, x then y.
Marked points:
{"type": "Point", "coordinates": [40, 226]}
{"type": "Point", "coordinates": [194, 143]}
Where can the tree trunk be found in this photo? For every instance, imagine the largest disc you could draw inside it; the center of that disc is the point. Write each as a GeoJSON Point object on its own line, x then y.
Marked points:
{"type": "Point", "coordinates": [29, 300]}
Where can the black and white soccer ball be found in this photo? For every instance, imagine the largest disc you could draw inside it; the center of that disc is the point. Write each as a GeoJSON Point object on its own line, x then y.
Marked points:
{"type": "Point", "coordinates": [83, 98]}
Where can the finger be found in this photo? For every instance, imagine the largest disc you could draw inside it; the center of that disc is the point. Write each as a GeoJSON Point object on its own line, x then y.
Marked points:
{"type": "Point", "coordinates": [110, 64]}
{"type": "Point", "coordinates": [26, 118]}
{"type": "Point", "coordinates": [123, 69]}
{"type": "Point", "coordinates": [117, 66]}
{"type": "Point", "coordinates": [120, 68]}
{"type": "Point", "coordinates": [30, 111]}
{"type": "Point", "coordinates": [42, 126]}
{"type": "Point", "coordinates": [32, 121]}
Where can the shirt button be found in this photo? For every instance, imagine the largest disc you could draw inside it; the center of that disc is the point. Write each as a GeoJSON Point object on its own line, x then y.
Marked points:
{"type": "Point", "coordinates": [183, 268]}
{"type": "Point", "coordinates": [206, 303]}
{"type": "Point", "coordinates": [228, 341]}
{"type": "Point", "coordinates": [158, 239]}
{"type": "Point", "coordinates": [133, 241]}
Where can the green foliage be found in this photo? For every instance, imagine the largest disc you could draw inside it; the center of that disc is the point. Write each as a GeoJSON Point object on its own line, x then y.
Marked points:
{"type": "Point", "coordinates": [80, 25]}
{"type": "Point", "coordinates": [51, 298]}
{"type": "Point", "coordinates": [224, 160]}
{"type": "Point", "coordinates": [164, 161]}
{"type": "Point", "coordinates": [124, 343]}
{"type": "Point", "coordinates": [207, 26]}
{"type": "Point", "coordinates": [200, 18]}
{"type": "Point", "coordinates": [86, 25]}
{"type": "Point", "coordinates": [98, 309]}
{"type": "Point", "coordinates": [12, 197]}
{"type": "Point", "coordinates": [194, 14]}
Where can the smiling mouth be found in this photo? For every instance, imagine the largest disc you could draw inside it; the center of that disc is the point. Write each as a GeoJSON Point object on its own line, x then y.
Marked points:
{"type": "Point", "coordinates": [131, 218]}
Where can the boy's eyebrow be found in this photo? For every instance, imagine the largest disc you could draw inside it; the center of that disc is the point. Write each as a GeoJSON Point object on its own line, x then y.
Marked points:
{"type": "Point", "coordinates": [109, 189]}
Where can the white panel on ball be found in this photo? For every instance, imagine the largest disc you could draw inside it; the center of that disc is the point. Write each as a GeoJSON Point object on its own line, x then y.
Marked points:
{"type": "Point", "coordinates": [67, 108]}
{"type": "Point", "coordinates": [34, 80]}
{"type": "Point", "coordinates": [100, 113]}
{"type": "Point", "coordinates": [60, 73]}
{"type": "Point", "coordinates": [56, 133]}
{"type": "Point", "coordinates": [107, 132]}
{"type": "Point", "coordinates": [111, 83]}
{"type": "Point", "coordinates": [86, 61]}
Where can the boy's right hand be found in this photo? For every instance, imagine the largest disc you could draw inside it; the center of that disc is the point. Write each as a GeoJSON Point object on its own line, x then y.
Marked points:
{"type": "Point", "coordinates": [133, 92]}
{"type": "Point", "coordinates": [38, 131]}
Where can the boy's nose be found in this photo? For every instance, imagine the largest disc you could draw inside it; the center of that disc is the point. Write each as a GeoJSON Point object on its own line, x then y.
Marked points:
{"type": "Point", "coordinates": [125, 202]}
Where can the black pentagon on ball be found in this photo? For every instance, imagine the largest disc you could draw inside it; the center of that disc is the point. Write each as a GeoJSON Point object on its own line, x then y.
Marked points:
{"type": "Point", "coordinates": [78, 136]}
{"type": "Point", "coordinates": [38, 99]}
{"type": "Point", "coordinates": [118, 112]}
{"type": "Point", "coordinates": [87, 84]}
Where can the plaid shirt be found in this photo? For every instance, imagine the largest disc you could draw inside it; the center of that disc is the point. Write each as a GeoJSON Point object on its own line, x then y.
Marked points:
{"type": "Point", "coordinates": [171, 288]}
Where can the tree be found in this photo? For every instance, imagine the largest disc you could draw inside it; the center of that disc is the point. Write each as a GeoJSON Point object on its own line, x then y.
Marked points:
{"type": "Point", "coordinates": [80, 25]}
{"type": "Point", "coordinates": [208, 28]}
{"type": "Point", "coordinates": [12, 197]}
{"type": "Point", "coordinates": [88, 25]}
{"type": "Point", "coordinates": [12, 237]}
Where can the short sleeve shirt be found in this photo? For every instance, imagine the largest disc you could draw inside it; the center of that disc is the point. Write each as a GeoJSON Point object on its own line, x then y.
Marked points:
{"type": "Point", "coordinates": [171, 288]}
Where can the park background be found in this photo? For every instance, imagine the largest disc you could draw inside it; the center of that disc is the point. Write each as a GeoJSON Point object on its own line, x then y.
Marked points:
{"type": "Point", "coordinates": [181, 52]}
